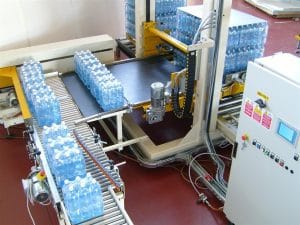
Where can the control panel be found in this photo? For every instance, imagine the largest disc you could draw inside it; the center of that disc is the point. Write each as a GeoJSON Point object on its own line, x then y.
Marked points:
{"type": "Point", "coordinates": [265, 173]}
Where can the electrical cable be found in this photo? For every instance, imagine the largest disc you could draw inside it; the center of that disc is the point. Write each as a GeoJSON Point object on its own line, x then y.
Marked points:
{"type": "Point", "coordinates": [183, 176]}
{"type": "Point", "coordinates": [198, 185]}
{"type": "Point", "coordinates": [173, 167]}
{"type": "Point", "coordinates": [202, 24]}
{"type": "Point", "coordinates": [126, 156]}
{"type": "Point", "coordinates": [30, 197]}
{"type": "Point", "coordinates": [27, 204]}
{"type": "Point", "coordinates": [207, 21]}
{"type": "Point", "coordinates": [220, 164]}
{"type": "Point", "coordinates": [195, 186]}
{"type": "Point", "coordinates": [224, 144]}
{"type": "Point", "coordinates": [29, 212]}
{"type": "Point", "coordinates": [207, 27]}
{"type": "Point", "coordinates": [184, 111]}
{"type": "Point", "coordinates": [212, 207]}
{"type": "Point", "coordinates": [191, 162]}
{"type": "Point", "coordinates": [180, 171]}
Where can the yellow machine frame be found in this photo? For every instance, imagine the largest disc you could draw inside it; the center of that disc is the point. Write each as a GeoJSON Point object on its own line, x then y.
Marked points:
{"type": "Point", "coordinates": [9, 77]}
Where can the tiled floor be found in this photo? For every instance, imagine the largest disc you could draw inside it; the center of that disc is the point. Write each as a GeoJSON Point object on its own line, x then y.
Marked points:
{"type": "Point", "coordinates": [153, 196]}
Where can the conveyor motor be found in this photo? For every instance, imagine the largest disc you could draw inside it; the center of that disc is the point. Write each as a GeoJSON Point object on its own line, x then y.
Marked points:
{"type": "Point", "coordinates": [36, 187]}
{"type": "Point", "coordinates": [156, 111]}
{"type": "Point", "coordinates": [8, 98]}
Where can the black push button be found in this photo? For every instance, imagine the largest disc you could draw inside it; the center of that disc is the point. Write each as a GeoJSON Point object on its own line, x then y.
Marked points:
{"type": "Point", "coordinates": [296, 157]}
{"type": "Point", "coordinates": [261, 103]}
{"type": "Point", "coordinates": [286, 167]}
{"type": "Point", "coordinates": [258, 145]}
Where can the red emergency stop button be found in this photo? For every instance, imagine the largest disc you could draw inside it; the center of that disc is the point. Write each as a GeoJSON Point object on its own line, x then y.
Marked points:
{"type": "Point", "coordinates": [245, 137]}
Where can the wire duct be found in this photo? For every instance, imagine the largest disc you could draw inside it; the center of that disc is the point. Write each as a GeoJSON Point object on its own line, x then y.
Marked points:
{"type": "Point", "coordinates": [219, 162]}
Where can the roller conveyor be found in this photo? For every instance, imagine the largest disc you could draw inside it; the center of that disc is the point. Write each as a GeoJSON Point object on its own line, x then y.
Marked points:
{"type": "Point", "coordinates": [114, 213]}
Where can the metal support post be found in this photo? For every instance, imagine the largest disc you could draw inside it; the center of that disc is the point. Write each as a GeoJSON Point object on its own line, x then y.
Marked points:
{"type": "Point", "coordinates": [119, 130]}
{"type": "Point", "coordinates": [223, 23]}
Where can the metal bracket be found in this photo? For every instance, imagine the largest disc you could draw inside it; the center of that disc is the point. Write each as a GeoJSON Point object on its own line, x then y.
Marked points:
{"type": "Point", "coordinates": [203, 43]}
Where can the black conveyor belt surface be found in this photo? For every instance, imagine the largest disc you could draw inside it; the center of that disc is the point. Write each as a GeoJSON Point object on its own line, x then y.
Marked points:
{"type": "Point", "coordinates": [86, 103]}
{"type": "Point", "coordinates": [136, 77]}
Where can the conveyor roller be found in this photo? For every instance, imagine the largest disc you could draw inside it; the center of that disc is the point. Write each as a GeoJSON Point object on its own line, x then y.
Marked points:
{"type": "Point", "coordinates": [114, 213]}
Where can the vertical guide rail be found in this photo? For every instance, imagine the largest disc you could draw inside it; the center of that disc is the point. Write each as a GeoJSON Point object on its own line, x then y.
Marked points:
{"type": "Point", "coordinates": [224, 9]}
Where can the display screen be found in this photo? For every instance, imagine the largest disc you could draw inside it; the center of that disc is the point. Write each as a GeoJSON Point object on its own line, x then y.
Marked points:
{"type": "Point", "coordinates": [287, 132]}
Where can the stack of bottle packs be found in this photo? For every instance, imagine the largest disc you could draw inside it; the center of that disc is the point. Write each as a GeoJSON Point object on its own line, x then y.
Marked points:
{"type": "Point", "coordinates": [186, 25]}
{"type": "Point", "coordinates": [83, 199]}
{"type": "Point", "coordinates": [246, 37]}
{"type": "Point", "coordinates": [82, 194]}
{"type": "Point", "coordinates": [65, 158]}
{"type": "Point", "coordinates": [130, 18]}
{"type": "Point", "coordinates": [43, 104]}
{"type": "Point", "coordinates": [165, 15]}
{"type": "Point", "coordinates": [106, 89]}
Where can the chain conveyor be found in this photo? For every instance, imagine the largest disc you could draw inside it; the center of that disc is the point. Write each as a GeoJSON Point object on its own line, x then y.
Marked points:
{"type": "Point", "coordinates": [114, 212]}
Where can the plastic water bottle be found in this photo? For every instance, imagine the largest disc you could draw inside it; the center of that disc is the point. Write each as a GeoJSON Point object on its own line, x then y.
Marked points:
{"type": "Point", "coordinates": [78, 163]}
{"type": "Point", "coordinates": [105, 95]}
{"type": "Point", "coordinates": [47, 110]}
{"type": "Point", "coordinates": [234, 60]}
{"type": "Point", "coordinates": [235, 37]}
{"type": "Point", "coordinates": [120, 95]}
{"type": "Point", "coordinates": [40, 97]}
{"type": "Point", "coordinates": [98, 79]}
{"type": "Point", "coordinates": [41, 110]}
{"type": "Point", "coordinates": [56, 110]}
{"type": "Point", "coordinates": [244, 36]}
{"type": "Point", "coordinates": [262, 34]}
{"type": "Point", "coordinates": [112, 95]}
{"type": "Point", "coordinates": [231, 37]}
{"type": "Point", "coordinates": [96, 193]}
{"type": "Point", "coordinates": [227, 63]}
{"type": "Point", "coordinates": [83, 199]}
{"type": "Point", "coordinates": [71, 199]}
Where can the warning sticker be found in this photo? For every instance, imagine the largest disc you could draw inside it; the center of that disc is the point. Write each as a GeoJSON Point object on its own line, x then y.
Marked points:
{"type": "Point", "coordinates": [267, 120]}
{"type": "Point", "coordinates": [248, 110]}
{"type": "Point", "coordinates": [257, 114]}
{"type": "Point", "coordinates": [263, 95]}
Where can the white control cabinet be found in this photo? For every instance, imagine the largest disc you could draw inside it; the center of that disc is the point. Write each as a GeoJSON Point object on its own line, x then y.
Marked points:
{"type": "Point", "coordinates": [264, 182]}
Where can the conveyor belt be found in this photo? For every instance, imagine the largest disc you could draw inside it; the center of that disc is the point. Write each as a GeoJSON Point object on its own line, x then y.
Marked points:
{"type": "Point", "coordinates": [136, 77]}
{"type": "Point", "coordinates": [86, 103]}
{"type": "Point", "coordinates": [113, 213]}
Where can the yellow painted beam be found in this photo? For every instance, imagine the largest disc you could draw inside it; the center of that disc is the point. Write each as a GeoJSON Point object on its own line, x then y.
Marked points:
{"type": "Point", "coordinates": [234, 89]}
{"type": "Point", "coordinates": [150, 41]}
{"type": "Point", "coordinates": [167, 38]}
{"type": "Point", "coordinates": [7, 73]}
{"type": "Point", "coordinates": [5, 82]}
